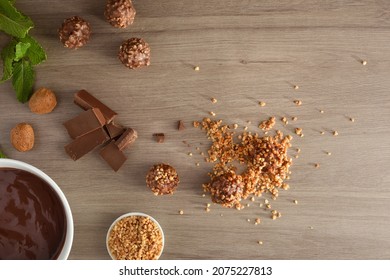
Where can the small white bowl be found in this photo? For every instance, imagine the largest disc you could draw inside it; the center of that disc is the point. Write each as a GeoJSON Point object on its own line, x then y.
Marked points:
{"type": "Point", "coordinates": [129, 215]}
{"type": "Point", "coordinates": [10, 163]}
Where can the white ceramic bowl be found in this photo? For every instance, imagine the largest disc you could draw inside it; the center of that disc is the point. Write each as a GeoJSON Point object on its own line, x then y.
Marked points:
{"type": "Point", "coordinates": [129, 215]}
{"type": "Point", "coordinates": [10, 163]}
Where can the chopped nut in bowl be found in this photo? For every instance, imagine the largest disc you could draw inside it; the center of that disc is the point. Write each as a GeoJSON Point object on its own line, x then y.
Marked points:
{"type": "Point", "coordinates": [135, 236]}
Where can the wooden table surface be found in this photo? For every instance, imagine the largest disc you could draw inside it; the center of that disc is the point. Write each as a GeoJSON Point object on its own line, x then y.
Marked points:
{"type": "Point", "coordinates": [248, 51]}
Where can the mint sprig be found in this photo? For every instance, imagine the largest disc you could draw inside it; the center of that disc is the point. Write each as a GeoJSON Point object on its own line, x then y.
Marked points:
{"type": "Point", "coordinates": [22, 52]}
{"type": "Point", "coordinates": [2, 155]}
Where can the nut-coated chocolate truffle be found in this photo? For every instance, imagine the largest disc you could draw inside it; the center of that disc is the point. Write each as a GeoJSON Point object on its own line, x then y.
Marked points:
{"type": "Point", "coordinates": [134, 53]}
{"type": "Point", "coordinates": [162, 179]}
{"type": "Point", "coordinates": [227, 189]}
{"type": "Point", "coordinates": [74, 32]}
{"type": "Point", "coordinates": [120, 13]}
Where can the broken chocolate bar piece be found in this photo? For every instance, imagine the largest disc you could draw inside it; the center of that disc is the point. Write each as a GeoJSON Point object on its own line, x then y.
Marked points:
{"type": "Point", "coordinates": [113, 156]}
{"type": "Point", "coordinates": [128, 137]}
{"type": "Point", "coordinates": [160, 137]}
{"type": "Point", "coordinates": [114, 130]}
{"type": "Point", "coordinates": [85, 122]}
{"type": "Point", "coordinates": [87, 101]}
{"type": "Point", "coordinates": [86, 143]}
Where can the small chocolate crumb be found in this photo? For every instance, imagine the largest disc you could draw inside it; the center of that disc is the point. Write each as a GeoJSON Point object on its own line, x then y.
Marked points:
{"type": "Point", "coordinates": [160, 137]}
{"type": "Point", "coordinates": [180, 125]}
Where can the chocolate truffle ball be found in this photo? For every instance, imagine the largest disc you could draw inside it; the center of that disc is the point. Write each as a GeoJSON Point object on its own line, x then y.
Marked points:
{"type": "Point", "coordinates": [162, 179]}
{"type": "Point", "coordinates": [119, 13]}
{"type": "Point", "coordinates": [134, 53]}
{"type": "Point", "coordinates": [22, 137]}
{"type": "Point", "coordinates": [227, 189]}
{"type": "Point", "coordinates": [74, 32]}
{"type": "Point", "coordinates": [43, 101]}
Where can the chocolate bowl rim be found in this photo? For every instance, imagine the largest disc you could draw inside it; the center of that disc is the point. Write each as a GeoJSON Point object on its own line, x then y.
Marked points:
{"type": "Point", "coordinates": [129, 214]}
{"type": "Point", "coordinates": [17, 164]}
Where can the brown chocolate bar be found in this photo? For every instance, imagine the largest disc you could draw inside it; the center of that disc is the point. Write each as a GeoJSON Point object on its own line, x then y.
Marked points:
{"type": "Point", "coordinates": [113, 156]}
{"type": "Point", "coordinates": [84, 123]}
{"type": "Point", "coordinates": [114, 130]}
{"type": "Point", "coordinates": [87, 101]}
{"type": "Point", "coordinates": [128, 137]}
{"type": "Point", "coordinates": [86, 143]}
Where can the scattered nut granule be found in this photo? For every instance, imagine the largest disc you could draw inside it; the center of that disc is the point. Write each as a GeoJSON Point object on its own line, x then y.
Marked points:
{"type": "Point", "coordinates": [196, 68]}
{"type": "Point", "coordinates": [298, 102]}
{"type": "Point", "coordinates": [203, 195]}
{"type": "Point", "coordinates": [296, 156]}
{"type": "Point", "coordinates": [352, 119]}
{"type": "Point", "coordinates": [311, 227]}
{"type": "Point", "coordinates": [298, 150]}
{"type": "Point", "coordinates": [248, 220]}
{"type": "Point", "coordinates": [298, 131]}
{"type": "Point", "coordinates": [214, 100]}
{"type": "Point", "coordinates": [262, 103]}
{"type": "Point", "coordinates": [364, 62]}
{"type": "Point", "coordinates": [252, 198]}
{"type": "Point", "coordinates": [268, 124]}
{"type": "Point", "coordinates": [322, 132]}
{"type": "Point", "coordinates": [328, 153]}
{"type": "Point", "coordinates": [260, 242]}
{"type": "Point", "coordinates": [295, 201]}
{"type": "Point", "coordinates": [235, 126]}
{"type": "Point", "coordinates": [294, 119]}
{"type": "Point", "coordinates": [190, 154]}
{"type": "Point", "coordinates": [265, 158]}
{"type": "Point", "coordinates": [213, 114]}
{"type": "Point", "coordinates": [197, 164]}
{"type": "Point", "coordinates": [296, 87]}
{"type": "Point", "coordinates": [257, 221]}
{"type": "Point", "coordinates": [317, 165]}
{"type": "Point", "coordinates": [207, 209]}
{"type": "Point", "coordinates": [275, 214]}
{"type": "Point", "coordinates": [181, 212]}
{"type": "Point", "coordinates": [335, 133]}
{"type": "Point", "coordinates": [322, 111]}
{"type": "Point", "coordinates": [135, 238]}
{"type": "Point", "coordinates": [196, 124]}
{"type": "Point", "coordinates": [284, 120]}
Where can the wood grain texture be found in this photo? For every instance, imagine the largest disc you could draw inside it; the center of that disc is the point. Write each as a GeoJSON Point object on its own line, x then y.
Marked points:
{"type": "Point", "coordinates": [247, 51]}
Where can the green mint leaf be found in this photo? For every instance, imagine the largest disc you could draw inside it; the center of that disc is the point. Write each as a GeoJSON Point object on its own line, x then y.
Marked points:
{"type": "Point", "coordinates": [23, 80]}
{"type": "Point", "coordinates": [21, 50]}
{"type": "Point", "coordinates": [2, 155]}
{"type": "Point", "coordinates": [35, 52]}
{"type": "Point", "coordinates": [8, 56]}
{"type": "Point", "coordinates": [12, 21]}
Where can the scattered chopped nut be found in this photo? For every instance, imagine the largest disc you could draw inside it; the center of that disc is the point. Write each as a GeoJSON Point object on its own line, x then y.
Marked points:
{"type": "Point", "coordinates": [322, 132]}
{"type": "Point", "coordinates": [295, 201]}
{"type": "Point", "coordinates": [317, 165]}
{"type": "Point", "coordinates": [294, 118]}
{"type": "Point", "coordinates": [197, 164]}
{"type": "Point", "coordinates": [257, 221]}
{"type": "Point", "coordinates": [214, 100]}
{"type": "Point", "coordinates": [298, 150]}
{"type": "Point", "coordinates": [296, 156]}
{"type": "Point", "coordinates": [248, 220]}
{"type": "Point", "coordinates": [311, 227]}
{"type": "Point", "coordinates": [262, 103]}
{"type": "Point", "coordinates": [284, 120]}
{"type": "Point", "coordinates": [190, 154]}
{"type": "Point", "coordinates": [328, 153]}
{"type": "Point", "coordinates": [252, 198]}
{"type": "Point", "coordinates": [181, 212]}
{"type": "Point", "coordinates": [196, 68]}
{"type": "Point", "coordinates": [260, 242]}
{"type": "Point", "coordinates": [213, 114]}
{"type": "Point", "coordinates": [352, 119]}
{"type": "Point", "coordinates": [322, 111]}
{"type": "Point", "coordinates": [298, 131]}
{"type": "Point", "coordinates": [203, 195]}
{"type": "Point", "coordinates": [207, 209]}
{"type": "Point", "coordinates": [268, 124]}
{"type": "Point", "coordinates": [298, 102]}
{"type": "Point", "coordinates": [335, 133]}
{"type": "Point", "coordinates": [364, 62]}
{"type": "Point", "coordinates": [296, 87]}
{"type": "Point", "coordinates": [196, 124]}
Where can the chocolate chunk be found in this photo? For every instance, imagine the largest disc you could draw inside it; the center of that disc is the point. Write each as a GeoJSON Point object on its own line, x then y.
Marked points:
{"type": "Point", "coordinates": [86, 143]}
{"type": "Point", "coordinates": [87, 101]}
{"type": "Point", "coordinates": [180, 125]}
{"type": "Point", "coordinates": [114, 130]}
{"type": "Point", "coordinates": [113, 156]}
{"type": "Point", "coordinates": [160, 137]}
{"type": "Point", "coordinates": [128, 137]}
{"type": "Point", "coordinates": [85, 122]}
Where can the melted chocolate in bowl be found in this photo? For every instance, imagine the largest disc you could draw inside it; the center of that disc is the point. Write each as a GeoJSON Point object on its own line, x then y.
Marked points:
{"type": "Point", "coordinates": [32, 217]}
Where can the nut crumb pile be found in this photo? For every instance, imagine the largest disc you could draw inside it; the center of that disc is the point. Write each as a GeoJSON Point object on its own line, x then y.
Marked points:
{"type": "Point", "coordinates": [135, 238]}
{"type": "Point", "coordinates": [265, 158]}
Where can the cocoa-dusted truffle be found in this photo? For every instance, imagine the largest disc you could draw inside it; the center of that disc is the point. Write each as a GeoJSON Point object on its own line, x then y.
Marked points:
{"type": "Point", "coordinates": [22, 137]}
{"type": "Point", "coordinates": [162, 179]}
{"type": "Point", "coordinates": [227, 189]}
{"type": "Point", "coordinates": [134, 53]}
{"type": "Point", "coordinates": [74, 32]}
{"type": "Point", "coordinates": [43, 101]}
{"type": "Point", "coordinates": [120, 13]}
